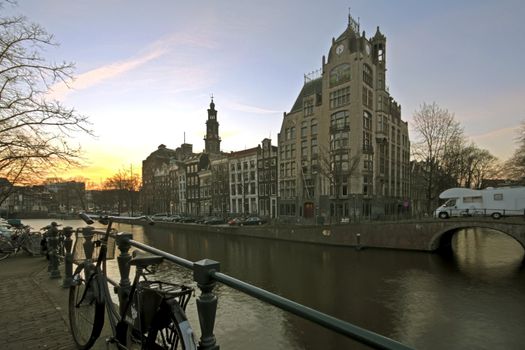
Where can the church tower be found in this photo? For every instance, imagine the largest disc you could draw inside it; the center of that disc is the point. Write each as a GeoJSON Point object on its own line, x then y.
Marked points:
{"type": "Point", "coordinates": [212, 140]}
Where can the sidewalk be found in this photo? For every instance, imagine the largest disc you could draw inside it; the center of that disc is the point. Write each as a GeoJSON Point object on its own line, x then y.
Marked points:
{"type": "Point", "coordinates": [33, 308]}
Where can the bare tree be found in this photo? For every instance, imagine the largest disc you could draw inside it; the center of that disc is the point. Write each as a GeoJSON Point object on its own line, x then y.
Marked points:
{"type": "Point", "coordinates": [436, 131]}
{"type": "Point", "coordinates": [338, 168]}
{"type": "Point", "coordinates": [126, 185]}
{"type": "Point", "coordinates": [515, 166]}
{"type": "Point", "coordinates": [34, 130]}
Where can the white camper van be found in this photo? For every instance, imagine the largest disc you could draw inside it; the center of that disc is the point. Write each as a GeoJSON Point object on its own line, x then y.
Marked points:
{"type": "Point", "coordinates": [496, 202]}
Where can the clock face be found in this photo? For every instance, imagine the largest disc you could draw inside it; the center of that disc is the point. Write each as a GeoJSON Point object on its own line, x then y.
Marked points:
{"type": "Point", "coordinates": [339, 49]}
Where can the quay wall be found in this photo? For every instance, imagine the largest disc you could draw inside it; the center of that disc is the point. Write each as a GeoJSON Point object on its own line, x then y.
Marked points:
{"type": "Point", "coordinates": [390, 235]}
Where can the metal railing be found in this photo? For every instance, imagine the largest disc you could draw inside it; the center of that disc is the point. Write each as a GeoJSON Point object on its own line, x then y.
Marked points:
{"type": "Point", "coordinates": [206, 273]}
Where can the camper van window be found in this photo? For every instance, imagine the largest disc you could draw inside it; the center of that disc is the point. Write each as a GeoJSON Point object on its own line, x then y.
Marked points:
{"type": "Point", "coordinates": [498, 196]}
{"type": "Point", "coordinates": [450, 203]}
{"type": "Point", "coordinates": [477, 199]}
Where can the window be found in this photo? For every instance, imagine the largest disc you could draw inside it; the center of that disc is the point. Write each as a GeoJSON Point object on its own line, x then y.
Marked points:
{"type": "Point", "coordinates": [340, 97]}
{"type": "Point", "coordinates": [315, 150]}
{"type": "Point", "coordinates": [367, 141]}
{"type": "Point", "coordinates": [304, 147]}
{"type": "Point", "coordinates": [474, 199]}
{"type": "Point", "coordinates": [368, 76]}
{"type": "Point", "coordinates": [304, 128]}
{"type": "Point", "coordinates": [314, 127]}
{"type": "Point", "coordinates": [367, 120]}
{"type": "Point", "coordinates": [308, 107]}
{"type": "Point", "coordinates": [292, 132]}
{"type": "Point", "coordinates": [340, 74]}
{"type": "Point", "coordinates": [339, 120]}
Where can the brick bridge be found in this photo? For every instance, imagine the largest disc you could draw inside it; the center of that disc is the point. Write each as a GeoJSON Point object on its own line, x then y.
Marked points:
{"type": "Point", "coordinates": [426, 235]}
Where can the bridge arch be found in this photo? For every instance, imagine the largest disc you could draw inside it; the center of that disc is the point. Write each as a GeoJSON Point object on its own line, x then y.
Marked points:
{"type": "Point", "coordinates": [442, 239]}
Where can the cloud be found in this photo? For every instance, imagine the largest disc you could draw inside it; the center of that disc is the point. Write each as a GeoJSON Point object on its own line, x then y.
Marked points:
{"type": "Point", "coordinates": [250, 109]}
{"type": "Point", "coordinates": [98, 75]}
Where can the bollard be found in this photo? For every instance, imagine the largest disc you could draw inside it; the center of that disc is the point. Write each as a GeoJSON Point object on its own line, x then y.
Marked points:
{"type": "Point", "coordinates": [358, 241]}
{"type": "Point", "coordinates": [68, 257]}
{"type": "Point", "coordinates": [206, 302]}
{"type": "Point", "coordinates": [52, 242]}
{"type": "Point", "coordinates": [123, 266]}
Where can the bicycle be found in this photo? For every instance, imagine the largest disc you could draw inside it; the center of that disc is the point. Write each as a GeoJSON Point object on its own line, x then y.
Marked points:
{"type": "Point", "coordinates": [20, 238]}
{"type": "Point", "coordinates": [153, 316]}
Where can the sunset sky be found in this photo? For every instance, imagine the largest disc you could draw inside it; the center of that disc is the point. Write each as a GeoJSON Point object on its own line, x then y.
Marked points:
{"type": "Point", "coordinates": [146, 69]}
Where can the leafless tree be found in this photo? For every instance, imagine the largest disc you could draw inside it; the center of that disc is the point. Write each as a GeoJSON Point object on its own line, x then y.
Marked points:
{"type": "Point", "coordinates": [336, 170]}
{"type": "Point", "coordinates": [436, 131]}
{"type": "Point", "coordinates": [467, 165]}
{"type": "Point", "coordinates": [126, 185]}
{"type": "Point", "coordinates": [34, 130]}
{"type": "Point", "coordinates": [515, 166]}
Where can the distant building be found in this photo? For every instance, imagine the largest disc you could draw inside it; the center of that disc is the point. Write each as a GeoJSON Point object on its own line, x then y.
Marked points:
{"type": "Point", "coordinates": [243, 182]}
{"type": "Point", "coordinates": [267, 155]}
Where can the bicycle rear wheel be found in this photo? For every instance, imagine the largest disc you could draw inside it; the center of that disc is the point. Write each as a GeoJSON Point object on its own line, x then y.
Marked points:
{"type": "Point", "coordinates": [5, 248]}
{"type": "Point", "coordinates": [170, 329]}
{"type": "Point", "coordinates": [86, 311]}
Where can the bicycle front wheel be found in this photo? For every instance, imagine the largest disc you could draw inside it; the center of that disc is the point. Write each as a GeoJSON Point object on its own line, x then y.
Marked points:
{"type": "Point", "coordinates": [170, 329]}
{"type": "Point", "coordinates": [86, 310]}
{"type": "Point", "coordinates": [32, 244]}
{"type": "Point", "coordinates": [5, 248]}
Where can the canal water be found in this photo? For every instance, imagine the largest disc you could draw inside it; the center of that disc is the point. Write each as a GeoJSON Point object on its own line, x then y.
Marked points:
{"type": "Point", "coordinates": [471, 299]}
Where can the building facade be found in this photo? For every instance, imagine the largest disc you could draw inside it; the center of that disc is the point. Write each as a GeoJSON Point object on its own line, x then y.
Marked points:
{"type": "Point", "coordinates": [343, 147]}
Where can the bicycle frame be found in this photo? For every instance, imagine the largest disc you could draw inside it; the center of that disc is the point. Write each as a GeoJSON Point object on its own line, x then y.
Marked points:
{"type": "Point", "coordinates": [98, 271]}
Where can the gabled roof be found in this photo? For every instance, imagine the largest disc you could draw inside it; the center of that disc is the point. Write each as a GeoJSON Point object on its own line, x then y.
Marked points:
{"type": "Point", "coordinates": [310, 88]}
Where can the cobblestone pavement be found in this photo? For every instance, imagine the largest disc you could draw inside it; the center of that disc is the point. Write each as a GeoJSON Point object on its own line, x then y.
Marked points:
{"type": "Point", "coordinates": [29, 318]}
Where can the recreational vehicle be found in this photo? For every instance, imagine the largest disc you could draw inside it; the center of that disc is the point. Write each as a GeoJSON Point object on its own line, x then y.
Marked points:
{"type": "Point", "coordinates": [495, 202]}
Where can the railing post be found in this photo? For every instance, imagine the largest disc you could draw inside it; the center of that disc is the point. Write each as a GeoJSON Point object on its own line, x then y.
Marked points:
{"type": "Point", "coordinates": [206, 302]}
{"type": "Point", "coordinates": [87, 233]}
{"type": "Point", "coordinates": [52, 241]}
{"type": "Point", "coordinates": [68, 257]}
{"type": "Point", "coordinates": [123, 266]}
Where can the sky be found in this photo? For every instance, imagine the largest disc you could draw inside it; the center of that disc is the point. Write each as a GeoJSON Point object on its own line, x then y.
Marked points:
{"type": "Point", "coordinates": [145, 70]}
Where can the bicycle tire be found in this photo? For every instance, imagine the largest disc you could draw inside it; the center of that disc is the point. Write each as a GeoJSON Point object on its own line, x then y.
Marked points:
{"type": "Point", "coordinates": [5, 248]}
{"type": "Point", "coordinates": [170, 329]}
{"type": "Point", "coordinates": [86, 310]}
{"type": "Point", "coordinates": [32, 245]}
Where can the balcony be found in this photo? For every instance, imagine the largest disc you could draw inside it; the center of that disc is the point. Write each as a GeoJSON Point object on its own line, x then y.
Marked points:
{"type": "Point", "coordinates": [339, 127]}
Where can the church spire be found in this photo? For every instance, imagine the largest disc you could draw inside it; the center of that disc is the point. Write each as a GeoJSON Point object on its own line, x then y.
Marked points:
{"type": "Point", "coordinates": [212, 141]}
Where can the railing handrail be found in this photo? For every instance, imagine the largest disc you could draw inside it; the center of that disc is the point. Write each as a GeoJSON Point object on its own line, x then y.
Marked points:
{"type": "Point", "coordinates": [342, 327]}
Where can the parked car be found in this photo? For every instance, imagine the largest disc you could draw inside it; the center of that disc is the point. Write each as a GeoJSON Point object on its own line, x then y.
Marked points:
{"type": "Point", "coordinates": [186, 219]}
{"type": "Point", "coordinates": [213, 220]}
{"type": "Point", "coordinates": [235, 221]}
{"type": "Point", "coordinates": [159, 217]}
{"type": "Point", "coordinates": [253, 220]}
{"type": "Point", "coordinates": [174, 218]}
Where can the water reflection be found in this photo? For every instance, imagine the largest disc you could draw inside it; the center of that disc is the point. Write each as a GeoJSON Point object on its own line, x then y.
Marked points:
{"type": "Point", "coordinates": [472, 299]}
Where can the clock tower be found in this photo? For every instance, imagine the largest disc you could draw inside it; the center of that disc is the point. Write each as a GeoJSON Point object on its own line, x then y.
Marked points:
{"type": "Point", "coordinates": [212, 140]}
